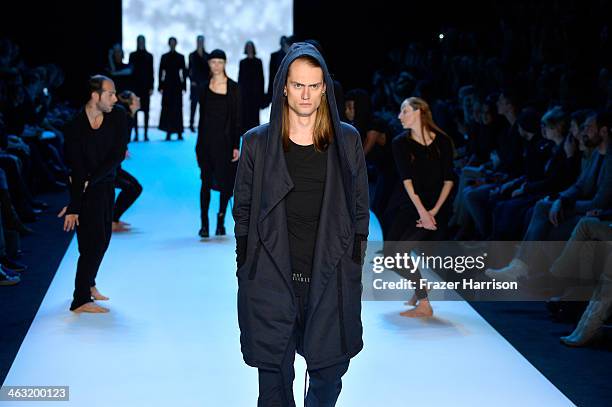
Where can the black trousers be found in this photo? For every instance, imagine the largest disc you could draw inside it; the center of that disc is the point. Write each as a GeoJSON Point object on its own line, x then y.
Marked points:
{"type": "Point", "coordinates": [144, 107]}
{"type": "Point", "coordinates": [276, 387]}
{"type": "Point", "coordinates": [93, 237]}
{"type": "Point", "coordinates": [130, 191]}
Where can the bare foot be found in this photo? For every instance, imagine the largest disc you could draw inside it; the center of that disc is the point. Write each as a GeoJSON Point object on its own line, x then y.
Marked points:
{"type": "Point", "coordinates": [412, 302]}
{"type": "Point", "coordinates": [118, 227]}
{"type": "Point", "coordinates": [422, 310]}
{"type": "Point", "coordinates": [97, 295]}
{"type": "Point", "coordinates": [91, 307]}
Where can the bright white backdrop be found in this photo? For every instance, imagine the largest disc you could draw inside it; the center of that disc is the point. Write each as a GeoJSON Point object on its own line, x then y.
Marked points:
{"type": "Point", "coordinates": [226, 25]}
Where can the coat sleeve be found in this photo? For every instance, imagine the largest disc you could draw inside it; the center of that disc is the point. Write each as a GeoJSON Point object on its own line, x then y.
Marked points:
{"type": "Point", "coordinates": [243, 189]}
{"type": "Point", "coordinates": [162, 68]}
{"type": "Point", "coordinates": [117, 153]}
{"type": "Point", "coordinates": [362, 200]}
{"type": "Point", "coordinates": [150, 73]}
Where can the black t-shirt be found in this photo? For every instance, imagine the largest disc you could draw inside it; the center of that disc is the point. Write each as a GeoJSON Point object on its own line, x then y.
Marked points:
{"type": "Point", "coordinates": [307, 168]}
{"type": "Point", "coordinates": [427, 166]}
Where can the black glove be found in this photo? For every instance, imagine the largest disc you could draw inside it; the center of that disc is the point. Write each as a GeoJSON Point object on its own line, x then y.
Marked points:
{"type": "Point", "coordinates": [358, 250]}
{"type": "Point", "coordinates": [241, 250]}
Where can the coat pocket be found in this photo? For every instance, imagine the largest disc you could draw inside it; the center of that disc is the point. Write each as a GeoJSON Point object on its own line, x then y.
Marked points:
{"type": "Point", "coordinates": [253, 270]}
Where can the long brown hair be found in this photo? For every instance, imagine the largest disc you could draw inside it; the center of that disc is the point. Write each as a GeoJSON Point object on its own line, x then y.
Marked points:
{"type": "Point", "coordinates": [427, 122]}
{"type": "Point", "coordinates": [323, 129]}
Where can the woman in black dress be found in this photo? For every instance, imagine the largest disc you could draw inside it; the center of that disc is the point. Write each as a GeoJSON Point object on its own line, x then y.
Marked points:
{"type": "Point", "coordinates": [217, 147]}
{"type": "Point", "coordinates": [251, 84]}
{"type": "Point", "coordinates": [172, 84]}
{"type": "Point", "coordinates": [424, 158]}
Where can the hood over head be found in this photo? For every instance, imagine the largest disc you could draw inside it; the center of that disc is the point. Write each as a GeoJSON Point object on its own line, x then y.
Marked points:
{"type": "Point", "coordinates": [276, 113]}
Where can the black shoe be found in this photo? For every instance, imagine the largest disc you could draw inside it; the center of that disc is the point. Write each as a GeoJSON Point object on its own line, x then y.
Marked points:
{"type": "Point", "coordinates": [167, 136]}
{"type": "Point", "coordinates": [13, 265]}
{"type": "Point", "coordinates": [146, 138]}
{"type": "Point", "coordinates": [220, 225]}
{"type": "Point", "coordinates": [192, 128]}
{"type": "Point", "coordinates": [203, 233]}
{"type": "Point", "coordinates": [180, 136]}
{"type": "Point", "coordinates": [7, 280]}
{"type": "Point", "coordinates": [135, 140]}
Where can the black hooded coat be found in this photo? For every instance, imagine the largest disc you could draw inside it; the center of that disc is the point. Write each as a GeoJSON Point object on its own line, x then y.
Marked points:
{"type": "Point", "coordinates": [267, 308]}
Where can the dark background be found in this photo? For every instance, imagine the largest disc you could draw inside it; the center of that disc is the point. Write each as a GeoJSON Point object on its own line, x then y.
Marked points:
{"type": "Point", "coordinates": [356, 37]}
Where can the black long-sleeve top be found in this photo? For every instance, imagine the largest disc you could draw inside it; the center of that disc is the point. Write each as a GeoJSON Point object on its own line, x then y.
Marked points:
{"type": "Point", "coordinates": [427, 166]}
{"type": "Point", "coordinates": [559, 173]}
{"type": "Point", "coordinates": [93, 155]}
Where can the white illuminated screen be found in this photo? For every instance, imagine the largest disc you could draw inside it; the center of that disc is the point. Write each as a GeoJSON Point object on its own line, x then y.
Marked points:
{"type": "Point", "coordinates": [225, 24]}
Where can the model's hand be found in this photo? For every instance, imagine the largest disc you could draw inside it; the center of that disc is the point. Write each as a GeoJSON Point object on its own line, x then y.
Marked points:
{"type": "Point", "coordinates": [235, 155]}
{"type": "Point", "coordinates": [70, 222]}
{"type": "Point", "coordinates": [85, 186]}
{"type": "Point", "coordinates": [427, 221]}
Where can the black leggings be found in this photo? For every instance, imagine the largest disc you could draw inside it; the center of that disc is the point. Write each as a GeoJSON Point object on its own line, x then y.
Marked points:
{"type": "Point", "coordinates": [205, 203]}
{"type": "Point", "coordinates": [404, 229]}
{"type": "Point", "coordinates": [130, 191]}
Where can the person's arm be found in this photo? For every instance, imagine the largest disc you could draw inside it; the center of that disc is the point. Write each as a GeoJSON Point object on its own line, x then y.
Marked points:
{"type": "Point", "coordinates": [237, 130]}
{"type": "Point", "coordinates": [406, 171]}
{"type": "Point", "coordinates": [150, 74]}
{"type": "Point", "coordinates": [446, 156]}
{"type": "Point", "coordinates": [603, 196]}
{"type": "Point", "coordinates": [190, 72]}
{"type": "Point", "coordinates": [370, 141]}
{"type": "Point", "coordinates": [243, 190]}
{"type": "Point", "coordinates": [73, 152]}
{"type": "Point", "coordinates": [117, 153]}
{"type": "Point", "coordinates": [183, 72]}
{"type": "Point", "coordinates": [161, 73]}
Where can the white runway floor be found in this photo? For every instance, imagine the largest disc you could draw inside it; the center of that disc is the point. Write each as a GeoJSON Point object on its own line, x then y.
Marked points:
{"type": "Point", "coordinates": [171, 338]}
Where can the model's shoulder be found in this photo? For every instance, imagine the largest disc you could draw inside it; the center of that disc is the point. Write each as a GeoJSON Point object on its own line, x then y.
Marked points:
{"type": "Point", "coordinates": [348, 130]}
{"type": "Point", "coordinates": [256, 135]}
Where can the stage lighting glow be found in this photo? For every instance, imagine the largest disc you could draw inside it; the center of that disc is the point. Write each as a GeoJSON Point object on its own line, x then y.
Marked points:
{"type": "Point", "coordinates": [226, 25]}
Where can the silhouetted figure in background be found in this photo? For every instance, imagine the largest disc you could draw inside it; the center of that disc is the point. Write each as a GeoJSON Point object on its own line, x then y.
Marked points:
{"type": "Point", "coordinates": [251, 83]}
{"type": "Point", "coordinates": [120, 72]}
{"type": "Point", "coordinates": [217, 147]}
{"type": "Point", "coordinates": [172, 84]}
{"type": "Point", "coordinates": [198, 75]}
{"type": "Point", "coordinates": [142, 82]}
{"type": "Point", "coordinates": [275, 62]}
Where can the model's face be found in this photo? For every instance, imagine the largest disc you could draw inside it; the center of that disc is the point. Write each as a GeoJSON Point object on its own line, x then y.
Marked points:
{"type": "Point", "coordinates": [107, 98]}
{"type": "Point", "coordinates": [408, 116]}
{"type": "Point", "coordinates": [172, 44]}
{"type": "Point", "coordinates": [140, 43]}
{"type": "Point", "coordinates": [574, 129]}
{"type": "Point", "coordinates": [217, 65]}
{"type": "Point", "coordinates": [304, 88]}
{"type": "Point", "coordinates": [349, 110]}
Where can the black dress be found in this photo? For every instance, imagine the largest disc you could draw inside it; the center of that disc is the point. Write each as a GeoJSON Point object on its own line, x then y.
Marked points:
{"type": "Point", "coordinates": [172, 76]}
{"type": "Point", "coordinates": [251, 83]}
{"type": "Point", "coordinates": [214, 146]}
{"type": "Point", "coordinates": [142, 64]}
{"type": "Point", "coordinates": [428, 167]}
